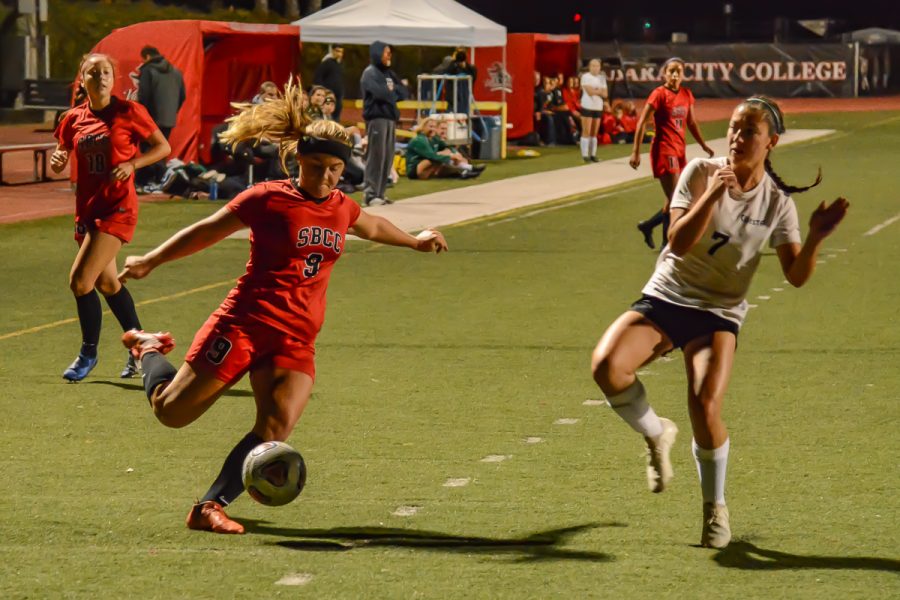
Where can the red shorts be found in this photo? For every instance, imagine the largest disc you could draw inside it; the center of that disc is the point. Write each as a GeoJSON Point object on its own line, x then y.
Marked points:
{"type": "Point", "coordinates": [667, 163]}
{"type": "Point", "coordinates": [123, 231]}
{"type": "Point", "coordinates": [228, 349]}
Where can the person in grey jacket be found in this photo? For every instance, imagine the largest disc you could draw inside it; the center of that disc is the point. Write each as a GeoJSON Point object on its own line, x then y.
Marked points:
{"type": "Point", "coordinates": [161, 91]}
{"type": "Point", "coordinates": [381, 89]}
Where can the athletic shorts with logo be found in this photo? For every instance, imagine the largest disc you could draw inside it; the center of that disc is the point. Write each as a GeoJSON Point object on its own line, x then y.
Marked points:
{"type": "Point", "coordinates": [228, 348]}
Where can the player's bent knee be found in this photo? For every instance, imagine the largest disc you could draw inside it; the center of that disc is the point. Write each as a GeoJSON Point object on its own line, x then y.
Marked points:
{"type": "Point", "coordinates": [707, 405]}
{"type": "Point", "coordinates": [80, 286]}
{"type": "Point", "coordinates": [611, 374]}
{"type": "Point", "coordinates": [108, 288]}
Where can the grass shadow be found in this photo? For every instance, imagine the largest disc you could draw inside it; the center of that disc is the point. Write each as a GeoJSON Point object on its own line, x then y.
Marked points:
{"type": "Point", "coordinates": [539, 546]}
{"type": "Point", "coordinates": [742, 554]}
{"type": "Point", "coordinates": [139, 386]}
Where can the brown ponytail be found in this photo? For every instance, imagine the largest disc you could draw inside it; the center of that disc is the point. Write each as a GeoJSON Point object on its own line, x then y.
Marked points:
{"type": "Point", "coordinates": [790, 189]}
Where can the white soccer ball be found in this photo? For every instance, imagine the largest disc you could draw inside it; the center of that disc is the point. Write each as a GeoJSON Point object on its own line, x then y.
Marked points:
{"type": "Point", "coordinates": [274, 473]}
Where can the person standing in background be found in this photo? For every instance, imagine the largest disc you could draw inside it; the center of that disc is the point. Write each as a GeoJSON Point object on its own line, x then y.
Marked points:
{"type": "Point", "coordinates": [381, 89]}
{"type": "Point", "coordinates": [161, 91]}
{"type": "Point", "coordinates": [330, 74]}
{"type": "Point", "coordinates": [671, 106]}
{"type": "Point", "coordinates": [593, 92]}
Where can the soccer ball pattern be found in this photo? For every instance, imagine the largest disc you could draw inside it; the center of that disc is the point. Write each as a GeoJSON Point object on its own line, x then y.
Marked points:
{"type": "Point", "coordinates": [274, 473]}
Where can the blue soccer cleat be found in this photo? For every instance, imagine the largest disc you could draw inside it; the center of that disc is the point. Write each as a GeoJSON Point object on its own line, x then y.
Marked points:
{"type": "Point", "coordinates": [79, 369]}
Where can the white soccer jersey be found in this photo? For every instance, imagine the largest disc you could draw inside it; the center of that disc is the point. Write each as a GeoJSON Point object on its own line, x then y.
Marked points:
{"type": "Point", "coordinates": [715, 274]}
{"type": "Point", "coordinates": [592, 102]}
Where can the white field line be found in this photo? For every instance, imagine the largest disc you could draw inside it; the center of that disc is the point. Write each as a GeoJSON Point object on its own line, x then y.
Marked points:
{"type": "Point", "coordinates": [406, 511]}
{"type": "Point", "coordinates": [882, 225]}
{"type": "Point", "coordinates": [295, 579]}
{"type": "Point", "coordinates": [457, 482]}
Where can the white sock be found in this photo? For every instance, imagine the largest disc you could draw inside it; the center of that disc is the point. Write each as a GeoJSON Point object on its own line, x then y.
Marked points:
{"type": "Point", "coordinates": [631, 405]}
{"type": "Point", "coordinates": [593, 147]}
{"type": "Point", "coordinates": [711, 466]}
{"type": "Point", "coordinates": [585, 146]}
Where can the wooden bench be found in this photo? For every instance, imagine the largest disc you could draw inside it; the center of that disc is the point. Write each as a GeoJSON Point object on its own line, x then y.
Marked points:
{"type": "Point", "coordinates": [40, 156]}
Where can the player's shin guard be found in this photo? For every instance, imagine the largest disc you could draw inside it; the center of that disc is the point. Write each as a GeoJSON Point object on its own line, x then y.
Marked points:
{"type": "Point", "coordinates": [229, 484]}
{"type": "Point", "coordinates": [157, 370]}
{"type": "Point", "coordinates": [631, 404]}
{"type": "Point", "coordinates": [90, 317]}
{"type": "Point", "coordinates": [711, 467]}
{"type": "Point", "coordinates": [122, 306]}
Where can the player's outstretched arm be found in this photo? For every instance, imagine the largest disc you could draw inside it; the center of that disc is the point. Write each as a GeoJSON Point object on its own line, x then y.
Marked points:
{"type": "Point", "coordinates": [799, 262]}
{"type": "Point", "coordinates": [189, 240]}
{"type": "Point", "coordinates": [378, 229]}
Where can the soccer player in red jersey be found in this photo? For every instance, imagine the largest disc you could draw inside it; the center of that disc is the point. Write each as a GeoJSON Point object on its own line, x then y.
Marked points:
{"type": "Point", "coordinates": [672, 108]}
{"type": "Point", "coordinates": [268, 323]}
{"type": "Point", "coordinates": [104, 133]}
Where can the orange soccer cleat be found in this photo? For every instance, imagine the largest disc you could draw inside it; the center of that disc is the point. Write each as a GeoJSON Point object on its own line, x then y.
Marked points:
{"type": "Point", "coordinates": [210, 516]}
{"type": "Point", "coordinates": [140, 342]}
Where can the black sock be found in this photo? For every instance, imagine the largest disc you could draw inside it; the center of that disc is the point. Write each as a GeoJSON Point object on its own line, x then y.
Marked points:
{"type": "Point", "coordinates": [229, 484]}
{"type": "Point", "coordinates": [665, 225]}
{"type": "Point", "coordinates": [90, 316]}
{"type": "Point", "coordinates": [157, 370]}
{"type": "Point", "coordinates": [122, 306]}
{"type": "Point", "coordinates": [655, 220]}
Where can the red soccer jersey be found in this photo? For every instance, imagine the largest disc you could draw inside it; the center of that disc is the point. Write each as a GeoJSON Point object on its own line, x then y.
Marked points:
{"type": "Point", "coordinates": [103, 140]}
{"type": "Point", "coordinates": [670, 116]}
{"type": "Point", "coordinates": [294, 243]}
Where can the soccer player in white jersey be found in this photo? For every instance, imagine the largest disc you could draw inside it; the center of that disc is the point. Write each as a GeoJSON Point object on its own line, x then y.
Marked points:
{"type": "Point", "coordinates": [593, 92]}
{"type": "Point", "coordinates": [723, 212]}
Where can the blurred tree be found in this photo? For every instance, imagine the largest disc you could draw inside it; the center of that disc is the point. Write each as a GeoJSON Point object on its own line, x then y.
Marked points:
{"type": "Point", "coordinates": [292, 9]}
{"type": "Point", "coordinates": [261, 6]}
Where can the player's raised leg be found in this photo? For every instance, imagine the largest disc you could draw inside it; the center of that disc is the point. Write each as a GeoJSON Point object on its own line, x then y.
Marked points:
{"type": "Point", "coordinates": [630, 342]}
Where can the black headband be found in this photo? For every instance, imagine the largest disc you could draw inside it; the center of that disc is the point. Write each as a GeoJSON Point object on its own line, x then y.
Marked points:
{"type": "Point", "coordinates": [315, 145]}
{"type": "Point", "coordinates": [779, 126]}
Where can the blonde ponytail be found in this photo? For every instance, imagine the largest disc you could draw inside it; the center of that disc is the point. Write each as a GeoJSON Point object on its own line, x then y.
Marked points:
{"type": "Point", "coordinates": [280, 120]}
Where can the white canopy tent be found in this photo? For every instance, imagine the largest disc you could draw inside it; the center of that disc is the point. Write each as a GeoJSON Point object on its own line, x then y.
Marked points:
{"type": "Point", "coordinates": [401, 23]}
{"type": "Point", "coordinates": [404, 23]}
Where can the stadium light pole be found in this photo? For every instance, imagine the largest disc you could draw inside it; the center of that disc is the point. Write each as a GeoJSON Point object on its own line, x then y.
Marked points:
{"type": "Point", "coordinates": [727, 10]}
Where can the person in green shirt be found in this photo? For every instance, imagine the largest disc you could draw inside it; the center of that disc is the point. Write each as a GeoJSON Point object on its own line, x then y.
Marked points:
{"type": "Point", "coordinates": [427, 156]}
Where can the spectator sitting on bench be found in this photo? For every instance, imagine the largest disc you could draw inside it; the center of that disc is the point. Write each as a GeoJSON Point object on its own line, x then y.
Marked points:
{"type": "Point", "coordinates": [441, 146]}
{"type": "Point", "coordinates": [317, 95]}
{"type": "Point", "coordinates": [423, 161]}
{"type": "Point", "coordinates": [267, 91]}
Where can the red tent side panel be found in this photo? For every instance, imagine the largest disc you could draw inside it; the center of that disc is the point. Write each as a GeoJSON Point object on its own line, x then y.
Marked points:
{"type": "Point", "coordinates": [181, 43]}
{"type": "Point", "coordinates": [525, 54]}
{"type": "Point", "coordinates": [236, 63]}
{"type": "Point", "coordinates": [221, 63]}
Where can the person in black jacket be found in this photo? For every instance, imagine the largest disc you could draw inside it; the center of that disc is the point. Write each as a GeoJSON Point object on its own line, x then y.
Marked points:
{"type": "Point", "coordinates": [161, 91]}
{"type": "Point", "coordinates": [330, 74]}
{"type": "Point", "coordinates": [381, 89]}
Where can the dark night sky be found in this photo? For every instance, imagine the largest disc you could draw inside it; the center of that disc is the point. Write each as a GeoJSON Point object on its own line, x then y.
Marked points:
{"type": "Point", "coordinates": [702, 18]}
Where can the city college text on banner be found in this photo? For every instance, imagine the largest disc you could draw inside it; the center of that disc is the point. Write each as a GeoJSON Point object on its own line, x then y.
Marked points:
{"type": "Point", "coordinates": [724, 70]}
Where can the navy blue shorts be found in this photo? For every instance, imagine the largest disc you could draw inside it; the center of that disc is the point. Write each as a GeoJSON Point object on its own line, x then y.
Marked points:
{"type": "Point", "coordinates": [680, 323]}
